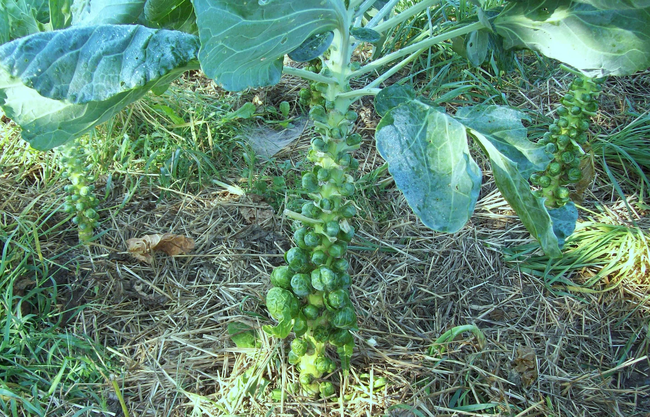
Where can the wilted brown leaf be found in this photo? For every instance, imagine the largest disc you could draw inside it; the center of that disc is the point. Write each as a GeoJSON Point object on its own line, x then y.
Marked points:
{"type": "Point", "coordinates": [142, 248]}
{"type": "Point", "coordinates": [526, 365]}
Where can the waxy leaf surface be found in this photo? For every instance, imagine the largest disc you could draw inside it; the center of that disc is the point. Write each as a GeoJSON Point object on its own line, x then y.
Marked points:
{"type": "Point", "coordinates": [99, 12]}
{"type": "Point", "coordinates": [393, 96]}
{"type": "Point", "coordinates": [598, 37]}
{"type": "Point", "coordinates": [503, 128]}
{"type": "Point", "coordinates": [427, 155]}
{"type": "Point", "coordinates": [243, 43]}
{"type": "Point", "coordinates": [516, 190]}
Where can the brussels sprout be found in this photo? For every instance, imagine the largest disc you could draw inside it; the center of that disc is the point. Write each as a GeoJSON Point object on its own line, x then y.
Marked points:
{"type": "Point", "coordinates": [91, 214]}
{"type": "Point", "coordinates": [554, 168]}
{"type": "Point", "coordinates": [351, 115]}
{"type": "Point", "coordinates": [317, 280]}
{"type": "Point", "coordinates": [337, 249]}
{"type": "Point", "coordinates": [330, 279]}
{"type": "Point", "coordinates": [299, 237]}
{"type": "Point", "coordinates": [318, 113]}
{"type": "Point", "coordinates": [301, 285]}
{"type": "Point", "coordinates": [318, 257]}
{"type": "Point", "coordinates": [312, 239]}
{"type": "Point", "coordinates": [551, 148]}
{"type": "Point", "coordinates": [340, 265]}
{"type": "Point", "coordinates": [354, 164]}
{"type": "Point", "coordinates": [340, 337]}
{"type": "Point", "coordinates": [323, 364]}
{"type": "Point", "coordinates": [347, 189]}
{"type": "Point", "coordinates": [68, 208]}
{"type": "Point", "coordinates": [332, 228]}
{"type": "Point", "coordinates": [562, 193]}
{"type": "Point", "coordinates": [293, 359]}
{"type": "Point", "coordinates": [346, 236]}
{"type": "Point", "coordinates": [338, 299]}
{"type": "Point", "coordinates": [562, 111]}
{"type": "Point", "coordinates": [305, 94]}
{"type": "Point", "coordinates": [567, 157]}
{"type": "Point", "coordinates": [310, 210]}
{"type": "Point", "coordinates": [326, 389]}
{"type": "Point", "coordinates": [323, 174]}
{"type": "Point", "coordinates": [297, 259]}
{"type": "Point", "coordinates": [348, 211]}
{"type": "Point", "coordinates": [576, 110]}
{"type": "Point", "coordinates": [325, 204]}
{"type": "Point", "coordinates": [311, 312]}
{"type": "Point", "coordinates": [281, 277]}
{"type": "Point", "coordinates": [574, 174]}
{"type": "Point", "coordinates": [583, 125]}
{"type": "Point", "coordinates": [344, 160]}
{"type": "Point", "coordinates": [563, 122]}
{"type": "Point", "coordinates": [322, 334]}
{"type": "Point", "coordinates": [582, 139]}
{"type": "Point", "coordinates": [555, 129]}
{"type": "Point", "coordinates": [299, 346]}
{"type": "Point", "coordinates": [354, 139]}
{"type": "Point", "coordinates": [336, 133]}
{"type": "Point", "coordinates": [563, 141]}
{"type": "Point", "coordinates": [346, 281]}
{"type": "Point", "coordinates": [534, 179]}
{"type": "Point", "coordinates": [310, 182]}
{"type": "Point", "coordinates": [306, 378]}
{"type": "Point", "coordinates": [544, 181]}
{"type": "Point", "coordinates": [300, 325]}
{"type": "Point", "coordinates": [345, 318]}
{"type": "Point", "coordinates": [282, 304]}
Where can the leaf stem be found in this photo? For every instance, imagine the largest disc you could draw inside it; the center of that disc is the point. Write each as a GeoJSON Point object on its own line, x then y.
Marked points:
{"type": "Point", "coordinates": [308, 75]}
{"type": "Point", "coordinates": [395, 68]}
{"type": "Point", "coordinates": [360, 93]}
{"type": "Point", "coordinates": [297, 216]}
{"type": "Point", "coordinates": [425, 44]}
{"type": "Point", "coordinates": [571, 70]}
{"type": "Point", "coordinates": [405, 15]}
{"type": "Point", "coordinates": [382, 13]}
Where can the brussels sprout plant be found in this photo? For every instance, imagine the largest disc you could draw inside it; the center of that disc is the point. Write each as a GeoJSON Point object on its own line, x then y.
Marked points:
{"type": "Point", "coordinates": [65, 68]}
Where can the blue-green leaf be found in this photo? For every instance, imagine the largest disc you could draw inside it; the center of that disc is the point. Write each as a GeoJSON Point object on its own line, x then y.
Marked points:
{"type": "Point", "coordinates": [427, 155]}
{"type": "Point", "coordinates": [393, 96]}
{"type": "Point", "coordinates": [564, 221]}
{"type": "Point", "coordinates": [59, 85]}
{"type": "Point", "coordinates": [516, 190]}
{"type": "Point", "coordinates": [170, 14]}
{"type": "Point", "coordinates": [503, 128]}
{"type": "Point", "coordinates": [477, 47]}
{"type": "Point", "coordinates": [598, 37]}
{"type": "Point", "coordinates": [313, 47]}
{"type": "Point", "coordinates": [365, 35]}
{"type": "Point", "coordinates": [89, 64]}
{"type": "Point", "coordinates": [17, 19]}
{"type": "Point", "coordinates": [99, 12]}
{"type": "Point", "coordinates": [243, 43]}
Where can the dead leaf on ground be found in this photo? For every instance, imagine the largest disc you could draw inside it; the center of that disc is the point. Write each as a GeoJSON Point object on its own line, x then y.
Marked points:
{"type": "Point", "coordinates": [526, 365]}
{"type": "Point", "coordinates": [142, 248]}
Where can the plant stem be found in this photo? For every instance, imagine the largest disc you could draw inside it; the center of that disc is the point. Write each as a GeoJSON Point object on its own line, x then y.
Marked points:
{"type": "Point", "coordinates": [395, 69]}
{"type": "Point", "coordinates": [360, 93]}
{"type": "Point", "coordinates": [308, 75]}
{"type": "Point", "coordinates": [297, 216]}
{"type": "Point", "coordinates": [425, 44]}
{"type": "Point", "coordinates": [405, 15]}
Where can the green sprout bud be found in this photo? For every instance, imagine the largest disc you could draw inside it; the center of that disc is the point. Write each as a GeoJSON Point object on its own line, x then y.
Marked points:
{"type": "Point", "coordinates": [281, 277]}
{"type": "Point", "coordinates": [586, 97]}
{"type": "Point", "coordinates": [563, 122]}
{"type": "Point", "coordinates": [354, 139]}
{"type": "Point", "coordinates": [323, 174]}
{"type": "Point", "coordinates": [555, 129]}
{"type": "Point", "coordinates": [310, 182]}
{"type": "Point", "coordinates": [305, 94]}
{"type": "Point", "coordinates": [319, 144]}
{"type": "Point", "coordinates": [91, 214]}
{"type": "Point", "coordinates": [574, 174]}
{"type": "Point", "coordinates": [354, 164]}
{"type": "Point", "coordinates": [345, 159]}
{"type": "Point", "coordinates": [322, 334]}
{"type": "Point", "coordinates": [562, 111]}
{"type": "Point", "coordinates": [310, 210]}
{"type": "Point", "coordinates": [348, 211]}
{"type": "Point", "coordinates": [562, 193]}
{"type": "Point", "coordinates": [76, 220]}
{"type": "Point", "coordinates": [323, 365]}
{"type": "Point", "coordinates": [563, 141]}
{"type": "Point", "coordinates": [80, 206]}
{"type": "Point", "coordinates": [318, 257]}
{"type": "Point", "coordinates": [568, 157]}
{"type": "Point", "coordinates": [68, 208]}
{"type": "Point", "coordinates": [318, 114]}
{"type": "Point", "coordinates": [293, 359]}
{"type": "Point", "coordinates": [306, 379]}
{"type": "Point", "coordinates": [341, 265]}
{"type": "Point", "coordinates": [299, 237]}
{"type": "Point", "coordinates": [325, 204]}
{"type": "Point", "coordinates": [347, 189]}
{"type": "Point", "coordinates": [583, 125]}
{"type": "Point", "coordinates": [534, 179]}
{"type": "Point", "coordinates": [554, 168]}
{"type": "Point", "coordinates": [346, 236]}
{"type": "Point", "coordinates": [338, 299]}
{"type": "Point", "coordinates": [311, 311]}
{"type": "Point", "coordinates": [346, 281]}
{"type": "Point", "coordinates": [332, 228]}
{"type": "Point", "coordinates": [312, 239]}
{"type": "Point", "coordinates": [301, 285]}
{"type": "Point", "coordinates": [329, 105]}
{"type": "Point", "coordinates": [326, 389]}
{"type": "Point", "coordinates": [330, 279]}
{"type": "Point", "coordinates": [345, 318]}
{"type": "Point", "coordinates": [336, 133]}
{"type": "Point", "coordinates": [337, 250]}
{"type": "Point", "coordinates": [551, 148]}
{"type": "Point", "coordinates": [341, 337]}
{"type": "Point", "coordinates": [317, 278]}
{"type": "Point", "coordinates": [576, 110]}
{"type": "Point", "coordinates": [299, 347]}
{"type": "Point", "coordinates": [300, 326]}
{"type": "Point", "coordinates": [582, 139]}
{"type": "Point", "coordinates": [296, 259]}
{"type": "Point", "coordinates": [544, 181]}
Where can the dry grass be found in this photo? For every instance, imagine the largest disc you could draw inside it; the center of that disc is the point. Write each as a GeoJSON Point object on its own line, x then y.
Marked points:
{"type": "Point", "coordinates": [546, 354]}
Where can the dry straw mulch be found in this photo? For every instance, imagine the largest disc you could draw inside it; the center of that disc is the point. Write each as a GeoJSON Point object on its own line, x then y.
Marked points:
{"type": "Point", "coordinates": [547, 354]}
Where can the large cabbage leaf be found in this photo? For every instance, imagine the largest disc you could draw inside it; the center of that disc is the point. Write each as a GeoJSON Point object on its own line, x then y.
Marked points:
{"type": "Point", "coordinates": [243, 43]}
{"type": "Point", "coordinates": [599, 37]}
{"type": "Point", "coordinates": [428, 157]}
{"type": "Point", "coordinates": [58, 85]}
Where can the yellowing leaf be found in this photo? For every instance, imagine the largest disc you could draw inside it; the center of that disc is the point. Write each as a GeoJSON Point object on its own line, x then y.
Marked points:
{"type": "Point", "coordinates": [142, 248]}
